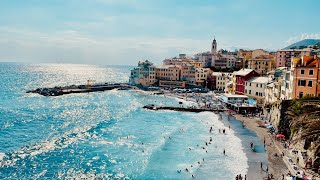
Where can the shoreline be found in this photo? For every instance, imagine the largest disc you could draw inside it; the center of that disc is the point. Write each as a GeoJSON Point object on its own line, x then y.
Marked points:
{"type": "Point", "coordinates": [276, 165]}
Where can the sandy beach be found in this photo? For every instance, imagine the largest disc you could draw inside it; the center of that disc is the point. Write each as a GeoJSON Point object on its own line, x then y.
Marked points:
{"type": "Point", "coordinates": [276, 165]}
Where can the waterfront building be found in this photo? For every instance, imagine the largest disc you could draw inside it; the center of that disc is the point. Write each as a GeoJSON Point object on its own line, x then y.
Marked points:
{"type": "Point", "coordinates": [306, 76]}
{"type": "Point", "coordinates": [255, 88]}
{"type": "Point", "coordinates": [144, 74]}
{"type": "Point", "coordinates": [201, 76]}
{"type": "Point", "coordinates": [283, 57]}
{"type": "Point", "coordinates": [261, 64]}
{"type": "Point", "coordinates": [240, 77]}
{"type": "Point", "coordinates": [188, 74]}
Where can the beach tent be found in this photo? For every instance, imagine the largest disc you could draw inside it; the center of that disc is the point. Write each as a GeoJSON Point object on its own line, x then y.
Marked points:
{"type": "Point", "coordinates": [280, 136]}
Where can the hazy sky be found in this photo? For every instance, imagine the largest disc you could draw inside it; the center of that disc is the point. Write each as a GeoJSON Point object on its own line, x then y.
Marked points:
{"type": "Point", "coordinates": [126, 31]}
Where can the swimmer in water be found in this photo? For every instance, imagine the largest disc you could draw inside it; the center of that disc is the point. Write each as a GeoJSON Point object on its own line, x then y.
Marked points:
{"type": "Point", "coordinates": [187, 170]}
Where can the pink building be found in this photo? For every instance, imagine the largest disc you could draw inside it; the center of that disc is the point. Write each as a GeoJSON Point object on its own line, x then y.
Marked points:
{"type": "Point", "coordinates": [283, 57]}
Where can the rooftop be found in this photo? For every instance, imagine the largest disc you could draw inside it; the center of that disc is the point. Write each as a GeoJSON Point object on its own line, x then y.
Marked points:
{"type": "Point", "coordinates": [262, 80]}
{"type": "Point", "coordinates": [242, 72]}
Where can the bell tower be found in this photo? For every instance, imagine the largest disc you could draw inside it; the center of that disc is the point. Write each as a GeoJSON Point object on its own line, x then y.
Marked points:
{"type": "Point", "coordinates": [214, 46]}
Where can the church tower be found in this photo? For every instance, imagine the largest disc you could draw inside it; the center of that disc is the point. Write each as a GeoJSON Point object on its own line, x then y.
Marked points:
{"type": "Point", "coordinates": [214, 46]}
{"type": "Point", "coordinates": [214, 52]}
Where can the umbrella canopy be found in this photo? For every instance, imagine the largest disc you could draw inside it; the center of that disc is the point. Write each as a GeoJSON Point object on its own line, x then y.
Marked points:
{"type": "Point", "coordinates": [280, 136]}
{"type": "Point", "coordinates": [269, 127]}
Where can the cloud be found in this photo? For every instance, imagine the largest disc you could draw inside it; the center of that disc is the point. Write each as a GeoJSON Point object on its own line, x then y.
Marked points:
{"type": "Point", "coordinates": [75, 47]}
{"type": "Point", "coordinates": [302, 36]}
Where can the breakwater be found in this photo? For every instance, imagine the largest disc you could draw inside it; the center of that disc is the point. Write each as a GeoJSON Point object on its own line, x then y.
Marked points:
{"type": "Point", "coordinates": [58, 91]}
{"type": "Point", "coordinates": [189, 109]}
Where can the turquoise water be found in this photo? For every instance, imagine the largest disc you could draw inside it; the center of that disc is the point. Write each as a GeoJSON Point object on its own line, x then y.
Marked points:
{"type": "Point", "coordinates": [104, 134]}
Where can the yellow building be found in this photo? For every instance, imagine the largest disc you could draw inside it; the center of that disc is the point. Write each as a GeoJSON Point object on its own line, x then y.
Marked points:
{"type": "Point", "coordinates": [201, 76]}
{"type": "Point", "coordinates": [262, 64]}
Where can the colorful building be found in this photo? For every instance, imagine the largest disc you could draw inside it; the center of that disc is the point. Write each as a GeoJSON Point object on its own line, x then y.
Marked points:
{"type": "Point", "coordinates": [283, 57]}
{"type": "Point", "coordinates": [261, 64]}
{"type": "Point", "coordinates": [306, 76]}
{"type": "Point", "coordinates": [241, 77]}
{"type": "Point", "coordinates": [144, 74]}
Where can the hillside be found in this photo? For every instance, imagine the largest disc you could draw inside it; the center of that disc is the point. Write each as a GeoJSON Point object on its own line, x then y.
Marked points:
{"type": "Point", "coordinates": [303, 43]}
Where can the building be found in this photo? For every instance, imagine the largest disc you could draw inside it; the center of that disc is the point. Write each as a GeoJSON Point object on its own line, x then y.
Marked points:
{"type": "Point", "coordinates": [201, 76]}
{"type": "Point", "coordinates": [222, 59]}
{"type": "Point", "coordinates": [261, 64]}
{"type": "Point", "coordinates": [255, 88]}
{"type": "Point", "coordinates": [221, 80]}
{"type": "Point", "coordinates": [144, 74]}
{"type": "Point", "coordinates": [188, 74]}
{"type": "Point", "coordinates": [283, 57]}
{"type": "Point", "coordinates": [259, 52]}
{"type": "Point", "coordinates": [285, 83]}
{"type": "Point", "coordinates": [183, 60]}
{"type": "Point", "coordinates": [168, 72]}
{"type": "Point", "coordinates": [205, 58]}
{"type": "Point", "coordinates": [306, 76]}
{"type": "Point", "coordinates": [241, 77]}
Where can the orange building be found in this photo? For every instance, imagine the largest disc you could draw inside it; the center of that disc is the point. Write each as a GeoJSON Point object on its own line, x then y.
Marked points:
{"type": "Point", "coordinates": [306, 76]}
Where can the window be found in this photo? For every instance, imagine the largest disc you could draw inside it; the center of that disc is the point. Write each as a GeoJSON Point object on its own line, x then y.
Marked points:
{"type": "Point", "coordinates": [261, 85]}
{"type": "Point", "coordinates": [246, 91]}
{"type": "Point", "coordinates": [256, 93]}
{"type": "Point", "coordinates": [302, 71]}
{"type": "Point", "coordinates": [309, 83]}
{"type": "Point", "coordinates": [249, 91]}
{"type": "Point", "coordinates": [302, 83]}
{"type": "Point", "coordinates": [311, 72]}
{"type": "Point", "coordinates": [257, 85]}
{"type": "Point", "coordinates": [250, 84]}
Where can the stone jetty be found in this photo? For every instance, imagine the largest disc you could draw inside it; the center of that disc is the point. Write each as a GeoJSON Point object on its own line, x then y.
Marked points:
{"type": "Point", "coordinates": [58, 91]}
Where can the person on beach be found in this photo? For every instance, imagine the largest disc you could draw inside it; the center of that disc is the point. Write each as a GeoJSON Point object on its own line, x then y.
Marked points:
{"type": "Point", "coordinates": [210, 139]}
{"type": "Point", "coordinates": [251, 145]}
{"type": "Point", "coordinates": [229, 126]}
{"type": "Point", "coordinates": [224, 152]}
{"type": "Point", "coordinates": [219, 131]}
{"type": "Point", "coordinates": [261, 165]}
{"type": "Point", "coordinates": [223, 131]}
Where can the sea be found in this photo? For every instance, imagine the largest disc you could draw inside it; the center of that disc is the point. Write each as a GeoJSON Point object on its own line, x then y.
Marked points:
{"type": "Point", "coordinates": [108, 135]}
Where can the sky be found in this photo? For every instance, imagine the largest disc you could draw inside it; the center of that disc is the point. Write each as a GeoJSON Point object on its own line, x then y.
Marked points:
{"type": "Point", "coordinates": [122, 32]}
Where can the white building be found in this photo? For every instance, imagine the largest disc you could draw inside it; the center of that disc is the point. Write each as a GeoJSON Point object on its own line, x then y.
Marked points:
{"type": "Point", "coordinates": [286, 84]}
{"type": "Point", "coordinates": [255, 88]}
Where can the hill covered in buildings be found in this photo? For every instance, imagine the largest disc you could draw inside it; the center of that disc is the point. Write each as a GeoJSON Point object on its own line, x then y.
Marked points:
{"type": "Point", "coordinates": [304, 44]}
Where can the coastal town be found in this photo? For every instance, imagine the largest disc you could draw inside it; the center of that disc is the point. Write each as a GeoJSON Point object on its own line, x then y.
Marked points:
{"type": "Point", "coordinates": [277, 91]}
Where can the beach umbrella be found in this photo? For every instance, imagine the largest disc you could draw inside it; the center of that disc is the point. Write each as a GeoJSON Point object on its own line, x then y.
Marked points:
{"type": "Point", "coordinates": [280, 136]}
{"type": "Point", "coordinates": [269, 127]}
